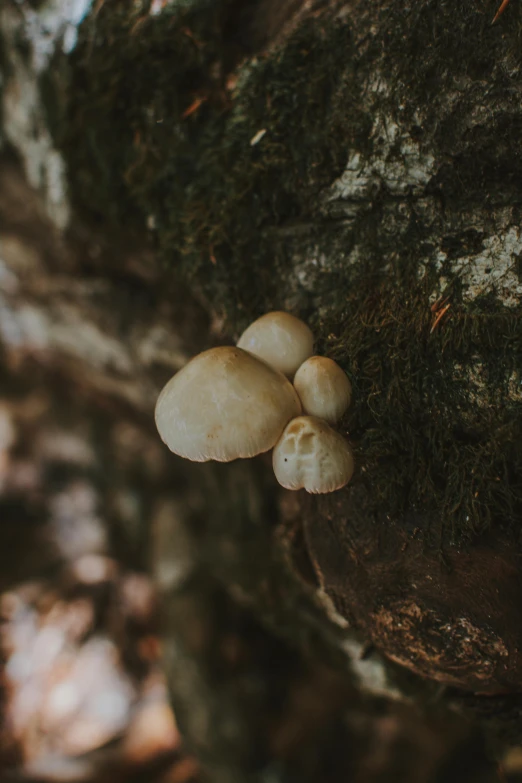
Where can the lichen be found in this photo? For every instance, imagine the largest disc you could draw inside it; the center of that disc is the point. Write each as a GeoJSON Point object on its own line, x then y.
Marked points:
{"type": "Point", "coordinates": [493, 269]}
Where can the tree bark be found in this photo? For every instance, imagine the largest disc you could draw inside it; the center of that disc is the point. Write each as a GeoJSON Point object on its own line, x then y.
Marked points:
{"type": "Point", "coordinates": [190, 165]}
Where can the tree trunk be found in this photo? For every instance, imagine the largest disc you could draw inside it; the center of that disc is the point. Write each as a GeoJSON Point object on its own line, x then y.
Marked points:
{"type": "Point", "coordinates": [191, 164]}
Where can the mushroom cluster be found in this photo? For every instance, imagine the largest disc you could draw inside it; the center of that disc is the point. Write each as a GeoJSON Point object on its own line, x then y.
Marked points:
{"type": "Point", "coordinates": [235, 402]}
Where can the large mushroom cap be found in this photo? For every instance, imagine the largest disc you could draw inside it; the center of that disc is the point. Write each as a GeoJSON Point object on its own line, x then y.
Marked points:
{"type": "Point", "coordinates": [279, 339]}
{"type": "Point", "coordinates": [311, 455]}
{"type": "Point", "coordinates": [323, 388]}
{"type": "Point", "coordinates": [224, 404]}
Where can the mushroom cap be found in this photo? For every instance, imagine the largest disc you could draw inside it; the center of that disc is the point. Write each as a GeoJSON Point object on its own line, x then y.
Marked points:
{"type": "Point", "coordinates": [311, 455]}
{"type": "Point", "coordinates": [224, 404]}
{"type": "Point", "coordinates": [323, 388]}
{"type": "Point", "coordinates": [279, 339]}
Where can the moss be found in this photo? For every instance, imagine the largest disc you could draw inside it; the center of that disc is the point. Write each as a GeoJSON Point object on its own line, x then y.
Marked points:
{"type": "Point", "coordinates": [429, 441]}
{"type": "Point", "coordinates": [153, 127]}
{"type": "Point", "coordinates": [158, 120]}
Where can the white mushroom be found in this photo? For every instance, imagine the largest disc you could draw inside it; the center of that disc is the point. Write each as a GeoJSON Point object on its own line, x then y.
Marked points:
{"type": "Point", "coordinates": [323, 388]}
{"type": "Point", "coordinates": [280, 339]}
{"type": "Point", "coordinates": [224, 404]}
{"type": "Point", "coordinates": [311, 455]}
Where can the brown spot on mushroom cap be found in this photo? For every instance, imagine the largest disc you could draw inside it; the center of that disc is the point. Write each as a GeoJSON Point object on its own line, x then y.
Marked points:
{"type": "Point", "coordinates": [223, 405]}
{"type": "Point", "coordinates": [323, 388]}
{"type": "Point", "coordinates": [280, 339]}
{"type": "Point", "coordinates": [311, 455]}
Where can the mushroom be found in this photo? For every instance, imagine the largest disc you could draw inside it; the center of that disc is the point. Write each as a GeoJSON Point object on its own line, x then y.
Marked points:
{"type": "Point", "coordinates": [311, 455]}
{"type": "Point", "coordinates": [224, 404]}
{"type": "Point", "coordinates": [280, 339]}
{"type": "Point", "coordinates": [323, 388]}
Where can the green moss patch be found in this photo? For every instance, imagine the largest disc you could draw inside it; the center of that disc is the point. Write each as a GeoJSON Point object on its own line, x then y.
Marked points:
{"type": "Point", "coordinates": [158, 128]}
{"type": "Point", "coordinates": [437, 416]}
{"type": "Point", "coordinates": [159, 125]}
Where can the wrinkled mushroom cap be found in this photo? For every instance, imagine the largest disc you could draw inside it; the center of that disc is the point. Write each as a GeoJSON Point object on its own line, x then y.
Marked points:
{"type": "Point", "coordinates": [279, 339]}
{"type": "Point", "coordinates": [323, 388]}
{"type": "Point", "coordinates": [311, 455]}
{"type": "Point", "coordinates": [224, 404]}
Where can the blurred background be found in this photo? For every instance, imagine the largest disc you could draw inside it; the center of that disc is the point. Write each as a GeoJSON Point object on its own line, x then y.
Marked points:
{"type": "Point", "coordinates": [83, 691]}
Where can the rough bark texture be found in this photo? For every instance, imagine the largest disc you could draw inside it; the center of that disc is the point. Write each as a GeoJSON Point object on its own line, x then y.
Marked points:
{"type": "Point", "coordinates": [198, 163]}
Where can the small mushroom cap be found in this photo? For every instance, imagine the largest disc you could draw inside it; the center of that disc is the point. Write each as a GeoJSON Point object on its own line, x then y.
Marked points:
{"type": "Point", "coordinates": [323, 388]}
{"type": "Point", "coordinates": [224, 404]}
{"type": "Point", "coordinates": [279, 339]}
{"type": "Point", "coordinates": [311, 455]}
